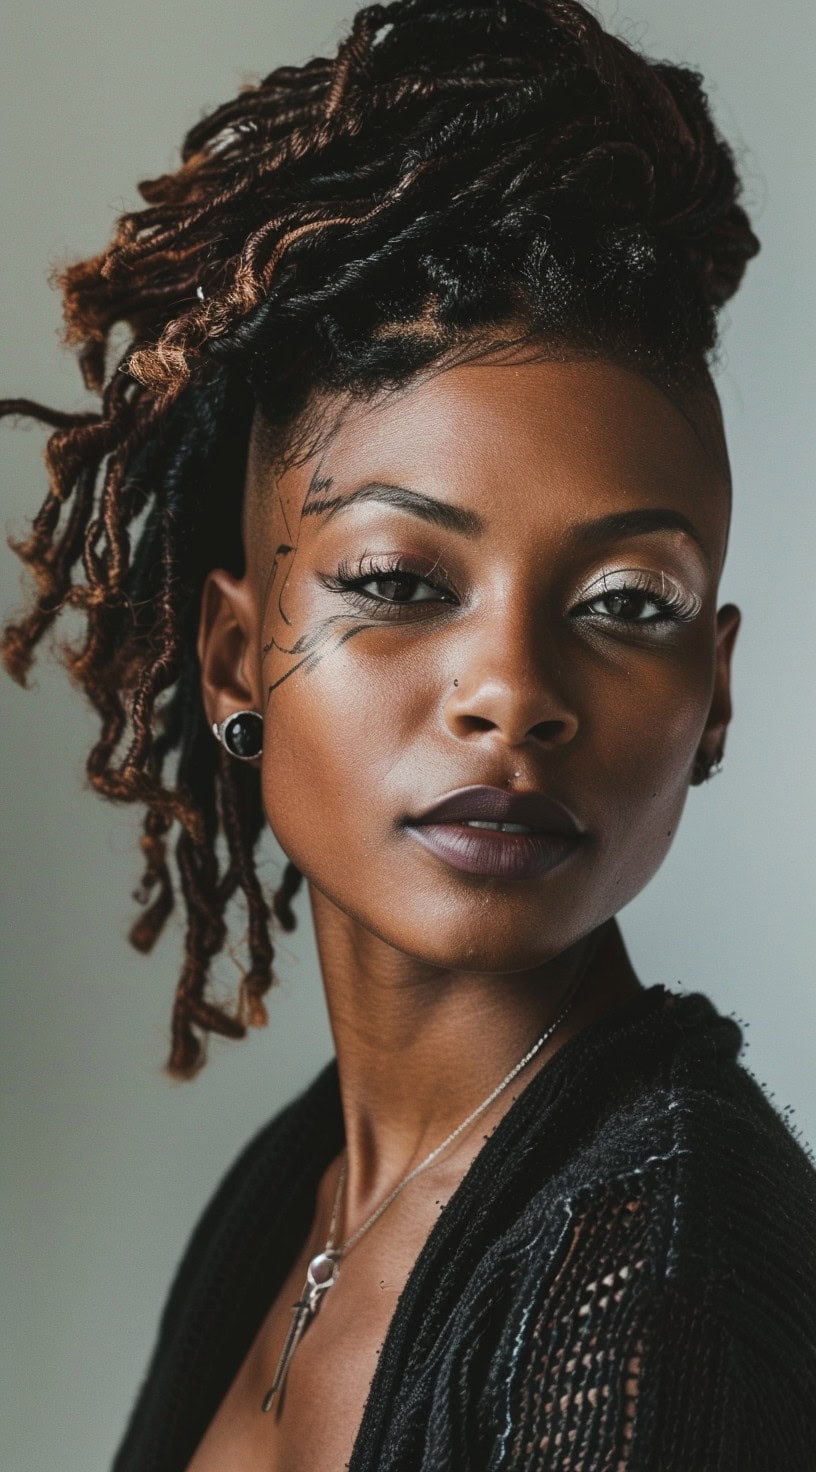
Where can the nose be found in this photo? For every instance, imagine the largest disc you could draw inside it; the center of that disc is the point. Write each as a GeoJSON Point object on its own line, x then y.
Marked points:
{"type": "Point", "coordinates": [510, 681]}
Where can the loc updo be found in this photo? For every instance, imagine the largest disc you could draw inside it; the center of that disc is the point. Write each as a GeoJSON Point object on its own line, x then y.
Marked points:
{"type": "Point", "coordinates": [339, 225]}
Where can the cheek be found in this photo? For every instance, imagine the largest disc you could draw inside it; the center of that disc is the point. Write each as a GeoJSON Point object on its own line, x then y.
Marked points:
{"type": "Point", "coordinates": [334, 732]}
{"type": "Point", "coordinates": [644, 744]}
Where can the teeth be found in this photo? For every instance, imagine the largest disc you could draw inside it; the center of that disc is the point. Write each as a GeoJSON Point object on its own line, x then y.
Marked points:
{"type": "Point", "coordinates": [498, 827]}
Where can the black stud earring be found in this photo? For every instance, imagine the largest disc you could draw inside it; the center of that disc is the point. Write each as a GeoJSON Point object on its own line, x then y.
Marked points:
{"type": "Point", "coordinates": [241, 733]}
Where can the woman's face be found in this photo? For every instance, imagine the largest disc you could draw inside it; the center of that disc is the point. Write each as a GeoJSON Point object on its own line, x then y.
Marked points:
{"type": "Point", "coordinates": [534, 609]}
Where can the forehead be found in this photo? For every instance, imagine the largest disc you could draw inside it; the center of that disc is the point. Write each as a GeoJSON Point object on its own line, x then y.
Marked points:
{"type": "Point", "coordinates": [522, 439]}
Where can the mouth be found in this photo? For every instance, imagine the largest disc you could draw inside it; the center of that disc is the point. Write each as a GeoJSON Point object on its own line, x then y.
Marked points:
{"type": "Point", "coordinates": [495, 851]}
{"type": "Point", "coordinates": [491, 807]}
{"type": "Point", "coordinates": [510, 835]}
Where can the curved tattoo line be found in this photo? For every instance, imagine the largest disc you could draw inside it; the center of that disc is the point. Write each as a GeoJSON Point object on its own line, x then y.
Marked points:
{"type": "Point", "coordinates": [305, 642]}
{"type": "Point", "coordinates": [282, 505]}
{"type": "Point", "coordinates": [289, 548]}
{"type": "Point", "coordinates": [282, 547]}
{"type": "Point", "coordinates": [315, 485]}
{"type": "Point", "coordinates": [310, 661]}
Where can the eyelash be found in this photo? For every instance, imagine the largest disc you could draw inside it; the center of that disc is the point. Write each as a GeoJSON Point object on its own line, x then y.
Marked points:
{"type": "Point", "coordinates": [674, 607]}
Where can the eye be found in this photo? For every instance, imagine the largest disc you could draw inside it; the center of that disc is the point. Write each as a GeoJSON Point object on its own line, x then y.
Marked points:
{"type": "Point", "coordinates": [635, 599]}
{"type": "Point", "coordinates": [395, 586]}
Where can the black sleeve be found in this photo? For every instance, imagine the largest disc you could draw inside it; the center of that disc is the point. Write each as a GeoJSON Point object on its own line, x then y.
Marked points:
{"type": "Point", "coordinates": [619, 1368]}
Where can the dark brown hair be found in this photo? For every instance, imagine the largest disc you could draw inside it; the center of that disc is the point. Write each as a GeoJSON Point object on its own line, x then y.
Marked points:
{"type": "Point", "coordinates": [459, 166]}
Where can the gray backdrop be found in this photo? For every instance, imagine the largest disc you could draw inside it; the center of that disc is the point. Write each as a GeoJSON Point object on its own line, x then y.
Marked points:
{"type": "Point", "coordinates": [105, 1162]}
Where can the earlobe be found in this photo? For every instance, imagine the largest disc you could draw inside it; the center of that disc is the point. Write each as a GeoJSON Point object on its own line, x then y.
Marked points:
{"type": "Point", "coordinates": [226, 646]}
{"type": "Point", "coordinates": [712, 742]}
{"type": "Point", "coordinates": [728, 622]}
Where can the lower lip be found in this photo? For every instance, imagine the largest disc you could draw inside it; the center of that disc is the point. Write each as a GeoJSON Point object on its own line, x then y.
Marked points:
{"type": "Point", "coordinates": [488, 851]}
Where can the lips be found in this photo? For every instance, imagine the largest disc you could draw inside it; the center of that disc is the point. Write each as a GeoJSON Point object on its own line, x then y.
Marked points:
{"type": "Point", "coordinates": [442, 830]}
{"type": "Point", "coordinates": [492, 805]}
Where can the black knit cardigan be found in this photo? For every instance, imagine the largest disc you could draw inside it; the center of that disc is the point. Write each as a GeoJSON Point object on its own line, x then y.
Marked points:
{"type": "Point", "coordinates": [623, 1281]}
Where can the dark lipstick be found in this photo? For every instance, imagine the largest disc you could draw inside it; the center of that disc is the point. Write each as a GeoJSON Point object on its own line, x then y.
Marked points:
{"type": "Point", "coordinates": [444, 829]}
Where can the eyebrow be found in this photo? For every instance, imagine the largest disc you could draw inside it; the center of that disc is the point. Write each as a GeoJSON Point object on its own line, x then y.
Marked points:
{"type": "Point", "coordinates": [636, 523]}
{"type": "Point", "coordinates": [441, 513]}
{"type": "Point", "coordinates": [616, 525]}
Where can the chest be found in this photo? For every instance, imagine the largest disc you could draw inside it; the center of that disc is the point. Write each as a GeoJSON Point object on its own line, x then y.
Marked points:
{"type": "Point", "coordinates": [313, 1425]}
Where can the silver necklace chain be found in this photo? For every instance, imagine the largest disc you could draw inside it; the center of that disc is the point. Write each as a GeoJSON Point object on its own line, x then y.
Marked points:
{"type": "Point", "coordinates": [429, 1159]}
{"type": "Point", "coordinates": [324, 1268]}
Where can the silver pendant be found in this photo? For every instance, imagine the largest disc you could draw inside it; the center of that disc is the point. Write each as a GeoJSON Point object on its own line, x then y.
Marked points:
{"type": "Point", "coordinates": [322, 1274]}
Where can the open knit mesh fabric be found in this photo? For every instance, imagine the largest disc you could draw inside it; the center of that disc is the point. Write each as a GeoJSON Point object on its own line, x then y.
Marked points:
{"type": "Point", "coordinates": [583, 1389]}
{"type": "Point", "coordinates": [620, 1371]}
{"type": "Point", "coordinates": [624, 1281]}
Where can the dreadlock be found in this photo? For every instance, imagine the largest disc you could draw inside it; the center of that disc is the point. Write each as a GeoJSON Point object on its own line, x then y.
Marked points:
{"type": "Point", "coordinates": [456, 166]}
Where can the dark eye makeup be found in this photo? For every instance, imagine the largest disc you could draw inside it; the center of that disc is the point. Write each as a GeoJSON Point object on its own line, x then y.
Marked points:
{"type": "Point", "coordinates": [623, 590]}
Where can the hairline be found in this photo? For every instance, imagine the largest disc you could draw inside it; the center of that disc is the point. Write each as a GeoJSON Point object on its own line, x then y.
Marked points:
{"type": "Point", "coordinates": [690, 388]}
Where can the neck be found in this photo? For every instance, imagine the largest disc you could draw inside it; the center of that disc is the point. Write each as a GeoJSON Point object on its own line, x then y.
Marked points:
{"type": "Point", "coordinates": [418, 1049]}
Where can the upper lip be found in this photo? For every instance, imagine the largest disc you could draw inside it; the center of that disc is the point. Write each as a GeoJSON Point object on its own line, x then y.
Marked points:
{"type": "Point", "coordinates": [492, 804]}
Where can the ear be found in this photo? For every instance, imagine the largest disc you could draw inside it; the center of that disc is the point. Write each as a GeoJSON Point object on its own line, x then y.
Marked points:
{"type": "Point", "coordinates": [227, 646]}
{"type": "Point", "coordinates": [712, 741]}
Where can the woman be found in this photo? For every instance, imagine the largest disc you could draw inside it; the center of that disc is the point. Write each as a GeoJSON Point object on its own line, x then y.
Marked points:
{"type": "Point", "coordinates": [428, 326]}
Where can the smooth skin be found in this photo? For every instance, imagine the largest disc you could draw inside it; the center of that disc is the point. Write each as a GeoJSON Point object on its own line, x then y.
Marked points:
{"type": "Point", "coordinates": [500, 654]}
